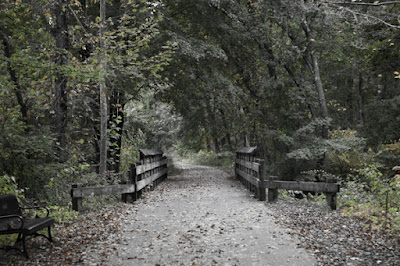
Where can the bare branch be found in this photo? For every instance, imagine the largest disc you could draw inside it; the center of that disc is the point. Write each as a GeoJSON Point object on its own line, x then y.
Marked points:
{"type": "Point", "coordinates": [77, 19]}
{"type": "Point", "coordinates": [363, 4]}
{"type": "Point", "coordinates": [371, 17]}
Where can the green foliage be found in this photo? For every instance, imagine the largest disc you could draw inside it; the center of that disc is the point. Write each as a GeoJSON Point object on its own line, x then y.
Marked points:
{"type": "Point", "coordinates": [388, 154]}
{"type": "Point", "coordinates": [149, 124]}
{"type": "Point", "coordinates": [383, 120]}
{"type": "Point", "coordinates": [222, 159]}
{"type": "Point", "coordinates": [373, 197]}
{"type": "Point", "coordinates": [63, 214]}
{"type": "Point", "coordinates": [8, 185]}
{"type": "Point", "coordinates": [315, 176]}
{"type": "Point", "coordinates": [351, 154]}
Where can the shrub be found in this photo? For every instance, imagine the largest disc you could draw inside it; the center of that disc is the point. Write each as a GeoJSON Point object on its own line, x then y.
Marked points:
{"type": "Point", "coordinates": [8, 185]}
{"type": "Point", "coordinates": [374, 197]}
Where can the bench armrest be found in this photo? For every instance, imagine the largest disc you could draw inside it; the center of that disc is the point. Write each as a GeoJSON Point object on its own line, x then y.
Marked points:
{"type": "Point", "coordinates": [19, 217]}
{"type": "Point", "coordinates": [38, 207]}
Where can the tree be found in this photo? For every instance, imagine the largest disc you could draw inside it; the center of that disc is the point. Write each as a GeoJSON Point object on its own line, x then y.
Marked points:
{"type": "Point", "coordinates": [60, 104]}
{"type": "Point", "coordinates": [103, 93]}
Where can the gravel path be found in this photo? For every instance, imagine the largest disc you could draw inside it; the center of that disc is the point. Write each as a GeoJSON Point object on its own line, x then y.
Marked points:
{"type": "Point", "coordinates": [205, 217]}
{"type": "Point", "coordinates": [202, 217]}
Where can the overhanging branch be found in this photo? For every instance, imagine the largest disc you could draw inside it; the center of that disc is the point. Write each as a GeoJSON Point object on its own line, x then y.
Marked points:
{"type": "Point", "coordinates": [363, 4]}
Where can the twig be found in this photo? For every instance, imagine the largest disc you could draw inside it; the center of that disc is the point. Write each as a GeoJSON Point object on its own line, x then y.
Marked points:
{"type": "Point", "coordinates": [77, 19]}
{"type": "Point", "coordinates": [363, 4]}
{"type": "Point", "coordinates": [371, 17]}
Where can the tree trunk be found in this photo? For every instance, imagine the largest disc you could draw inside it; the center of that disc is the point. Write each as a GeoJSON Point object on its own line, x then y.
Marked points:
{"type": "Point", "coordinates": [315, 70]}
{"type": "Point", "coordinates": [103, 95]}
{"type": "Point", "coordinates": [227, 135]}
{"type": "Point", "coordinates": [309, 105]}
{"type": "Point", "coordinates": [60, 103]}
{"type": "Point", "coordinates": [361, 114]}
{"type": "Point", "coordinates": [14, 79]}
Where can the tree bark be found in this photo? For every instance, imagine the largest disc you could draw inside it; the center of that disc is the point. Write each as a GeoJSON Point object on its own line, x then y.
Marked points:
{"type": "Point", "coordinates": [103, 95]}
{"type": "Point", "coordinates": [14, 79]}
{"type": "Point", "coordinates": [361, 113]}
{"type": "Point", "coordinates": [60, 103]}
{"type": "Point", "coordinates": [315, 69]}
{"type": "Point", "coordinates": [227, 135]}
{"type": "Point", "coordinates": [291, 74]}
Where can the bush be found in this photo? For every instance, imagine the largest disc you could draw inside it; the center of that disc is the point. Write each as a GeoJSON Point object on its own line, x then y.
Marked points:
{"type": "Point", "coordinates": [374, 197]}
{"type": "Point", "coordinates": [8, 185]}
{"type": "Point", "coordinates": [222, 159]}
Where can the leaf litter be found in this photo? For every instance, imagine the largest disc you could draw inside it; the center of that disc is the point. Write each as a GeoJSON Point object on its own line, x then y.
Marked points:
{"type": "Point", "coordinates": [175, 225]}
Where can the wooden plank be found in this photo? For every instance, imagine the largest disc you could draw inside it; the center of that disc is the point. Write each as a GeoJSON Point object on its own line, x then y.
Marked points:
{"type": "Point", "coordinates": [76, 201]}
{"type": "Point", "coordinates": [247, 150]}
{"type": "Point", "coordinates": [250, 165]}
{"type": "Point", "coordinates": [304, 186]}
{"type": "Point", "coordinates": [144, 182]}
{"type": "Point", "coordinates": [262, 174]}
{"type": "Point", "coordinates": [253, 180]}
{"type": "Point", "coordinates": [107, 190]}
{"type": "Point", "coordinates": [140, 169]}
{"type": "Point", "coordinates": [148, 152]}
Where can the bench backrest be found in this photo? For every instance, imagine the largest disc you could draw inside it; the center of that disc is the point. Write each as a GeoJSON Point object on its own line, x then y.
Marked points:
{"type": "Point", "coordinates": [9, 205]}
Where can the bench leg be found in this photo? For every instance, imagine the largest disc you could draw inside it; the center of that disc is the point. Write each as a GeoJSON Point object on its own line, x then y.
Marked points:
{"type": "Point", "coordinates": [21, 238]}
{"type": "Point", "coordinates": [24, 247]}
{"type": "Point", "coordinates": [50, 238]}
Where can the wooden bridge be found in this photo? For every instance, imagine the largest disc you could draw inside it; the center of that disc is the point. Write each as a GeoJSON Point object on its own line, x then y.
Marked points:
{"type": "Point", "coordinates": [152, 169]}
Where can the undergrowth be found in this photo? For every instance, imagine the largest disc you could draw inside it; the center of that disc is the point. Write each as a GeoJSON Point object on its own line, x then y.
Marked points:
{"type": "Point", "coordinates": [368, 195]}
{"type": "Point", "coordinates": [374, 198]}
{"type": "Point", "coordinates": [209, 158]}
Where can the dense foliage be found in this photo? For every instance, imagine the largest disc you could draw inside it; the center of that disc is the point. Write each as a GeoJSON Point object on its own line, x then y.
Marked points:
{"type": "Point", "coordinates": [314, 84]}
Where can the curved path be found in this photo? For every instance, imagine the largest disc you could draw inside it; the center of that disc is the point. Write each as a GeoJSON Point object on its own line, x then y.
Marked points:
{"type": "Point", "coordinates": [203, 216]}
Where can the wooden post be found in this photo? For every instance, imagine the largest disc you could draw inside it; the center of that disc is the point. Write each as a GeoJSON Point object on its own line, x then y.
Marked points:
{"type": "Point", "coordinates": [76, 201]}
{"type": "Point", "coordinates": [165, 167]}
{"type": "Point", "coordinates": [262, 176]}
{"type": "Point", "coordinates": [124, 197]}
{"type": "Point", "coordinates": [272, 192]}
{"type": "Point", "coordinates": [236, 166]}
{"type": "Point", "coordinates": [152, 185]}
{"type": "Point", "coordinates": [331, 197]}
{"type": "Point", "coordinates": [134, 179]}
{"type": "Point", "coordinates": [127, 197]}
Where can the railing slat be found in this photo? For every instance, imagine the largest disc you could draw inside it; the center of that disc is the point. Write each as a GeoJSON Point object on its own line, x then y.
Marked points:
{"type": "Point", "coordinates": [144, 182]}
{"type": "Point", "coordinates": [304, 186]}
{"type": "Point", "coordinates": [251, 171]}
{"type": "Point", "coordinates": [250, 165]}
{"type": "Point", "coordinates": [251, 179]}
{"type": "Point", "coordinates": [140, 169]}
{"type": "Point", "coordinates": [152, 169]}
{"type": "Point", "coordinates": [106, 190]}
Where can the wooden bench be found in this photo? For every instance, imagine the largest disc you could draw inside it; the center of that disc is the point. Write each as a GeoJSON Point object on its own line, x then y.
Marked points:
{"type": "Point", "coordinates": [12, 221]}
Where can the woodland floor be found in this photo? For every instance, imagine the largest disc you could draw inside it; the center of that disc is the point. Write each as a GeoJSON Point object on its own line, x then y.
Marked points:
{"type": "Point", "coordinates": [203, 216]}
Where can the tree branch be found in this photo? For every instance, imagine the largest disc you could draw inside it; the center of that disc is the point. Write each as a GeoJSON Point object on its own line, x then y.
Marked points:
{"type": "Point", "coordinates": [372, 17]}
{"type": "Point", "coordinates": [40, 13]}
{"type": "Point", "coordinates": [77, 19]}
{"type": "Point", "coordinates": [363, 4]}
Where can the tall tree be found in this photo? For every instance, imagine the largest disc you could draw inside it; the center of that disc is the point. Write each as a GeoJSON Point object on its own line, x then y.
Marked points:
{"type": "Point", "coordinates": [315, 67]}
{"type": "Point", "coordinates": [103, 92]}
{"type": "Point", "coordinates": [60, 103]}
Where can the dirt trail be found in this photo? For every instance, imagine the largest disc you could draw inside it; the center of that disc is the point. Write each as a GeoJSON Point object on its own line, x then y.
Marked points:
{"type": "Point", "coordinates": [203, 217]}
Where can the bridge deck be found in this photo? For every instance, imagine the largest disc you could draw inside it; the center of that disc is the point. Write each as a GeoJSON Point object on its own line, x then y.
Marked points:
{"type": "Point", "coordinates": [204, 217]}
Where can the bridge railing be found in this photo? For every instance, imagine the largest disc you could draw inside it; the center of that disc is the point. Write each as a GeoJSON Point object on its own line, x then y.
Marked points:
{"type": "Point", "coordinates": [150, 171]}
{"type": "Point", "coordinates": [251, 171]}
